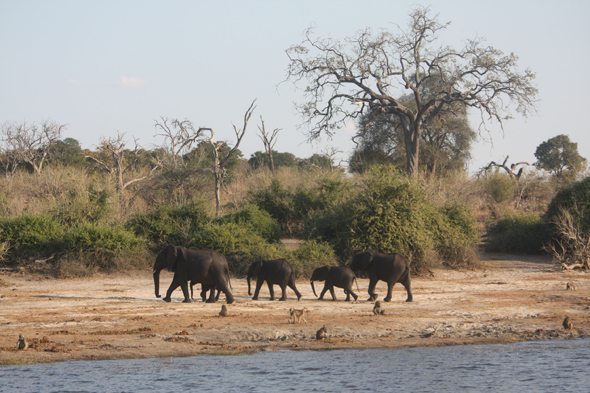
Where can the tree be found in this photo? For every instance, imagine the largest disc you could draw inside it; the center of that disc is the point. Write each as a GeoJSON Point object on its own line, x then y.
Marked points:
{"type": "Point", "coordinates": [115, 148]}
{"type": "Point", "coordinates": [370, 72]}
{"type": "Point", "coordinates": [280, 159]}
{"type": "Point", "coordinates": [220, 160]}
{"type": "Point", "coordinates": [559, 156]}
{"type": "Point", "coordinates": [269, 142]}
{"type": "Point", "coordinates": [179, 137]}
{"type": "Point", "coordinates": [509, 170]}
{"type": "Point", "coordinates": [67, 152]}
{"type": "Point", "coordinates": [30, 144]}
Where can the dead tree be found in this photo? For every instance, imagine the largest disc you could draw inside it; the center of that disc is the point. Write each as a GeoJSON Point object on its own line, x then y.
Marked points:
{"type": "Point", "coordinates": [115, 147]}
{"type": "Point", "coordinates": [330, 152]}
{"type": "Point", "coordinates": [269, 142]}
{"type": "Point", "coordinates": [29, 143]}
{"type": "Point", "coordinates": [218, 167]}
{"type": "Point", "coordinates": [510, 170]}
{"type": "Point", "coordinates": [571, 248]}
{"type": "Point", "coordinates": [179, 137]}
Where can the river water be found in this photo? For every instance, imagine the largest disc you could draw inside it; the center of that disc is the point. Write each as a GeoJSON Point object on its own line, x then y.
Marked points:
{"type": "Point", "coordinates": [550, 366]}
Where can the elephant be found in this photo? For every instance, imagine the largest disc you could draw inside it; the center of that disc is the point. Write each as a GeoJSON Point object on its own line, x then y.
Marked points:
{"type": "Point", "coordinates": [207, 267]}
{"type": "Point", "coordinates": [391, 268]}
{"type": "Point", "coordinates": [334, 276]}
{"type": "Point", "coordinates": [204, 289]}
{"type": "Point", "coordinates": [277, 271]}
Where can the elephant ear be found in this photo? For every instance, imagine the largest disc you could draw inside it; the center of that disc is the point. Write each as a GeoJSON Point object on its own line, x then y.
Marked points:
{"type": "Point", "coordinates": [256, 269]}
{"type": "Point", "coordinates": [171, 257]}
{"type": "Point", "coordinates": [367, 259]}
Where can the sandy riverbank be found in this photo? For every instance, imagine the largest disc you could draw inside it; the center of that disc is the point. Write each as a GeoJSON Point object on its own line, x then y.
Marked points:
{"type": "Point", "coordinates": [508, 299]}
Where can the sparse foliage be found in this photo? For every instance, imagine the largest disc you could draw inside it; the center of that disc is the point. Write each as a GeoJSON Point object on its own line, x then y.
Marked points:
{"type": "Point", "coordinates": [571, 248]}
{"type": "Point", "coordinates": [376, 71]}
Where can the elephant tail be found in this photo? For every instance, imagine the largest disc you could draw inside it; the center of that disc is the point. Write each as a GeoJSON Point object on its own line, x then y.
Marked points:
{"type": "Point", "coordinates": [357, 284]}
{"type": "Point", "coordinates": [228, 279]}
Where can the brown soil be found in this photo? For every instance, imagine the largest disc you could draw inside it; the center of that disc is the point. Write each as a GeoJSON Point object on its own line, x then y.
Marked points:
{"type": "Point", "coordinates": [508, 299]}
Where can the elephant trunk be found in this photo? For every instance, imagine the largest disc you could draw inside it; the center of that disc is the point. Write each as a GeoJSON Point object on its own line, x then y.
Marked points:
{"type": "Point", "coordinates": [157, 282]}
{"type": "Point", "coordinates": [249, 290]}
{"type": "Point", "coordinates": [313, 289]}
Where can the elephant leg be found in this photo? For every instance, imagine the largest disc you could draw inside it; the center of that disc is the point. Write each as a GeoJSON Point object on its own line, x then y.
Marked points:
{"type": "Point", "coordinates": [332, 293]}
{"type": "Point", "coordinates": [323, 292]}
{"type": "Point", "coordinates": [372, 285]}
{"type": "Point", "coordinates": [211, 298]}
{"type": "Point", "coordinates": [175, 284]}
{"type": "Point", "coordinates": [223, 287]}
{"type": "Point", "coordinates": [283, 293]}
{"type": "Point", "coordinates": [389, 292]}
{"type": "Point", "coordinates": [291, 285]}
{"type": "Point", "coordinates": [347, 296]}
{"type": "Point", "coordinates": [406, 284]}
{"type": "Point", "coordinates": [259, 283]}
{"type": "Point", "coordinates": [184, 287]}
{"type": "Point", "coordinates": [271, 290]}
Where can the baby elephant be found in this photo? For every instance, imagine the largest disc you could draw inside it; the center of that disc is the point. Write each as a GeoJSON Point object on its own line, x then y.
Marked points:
{"type": "Point", "coordinates": [334, 276]}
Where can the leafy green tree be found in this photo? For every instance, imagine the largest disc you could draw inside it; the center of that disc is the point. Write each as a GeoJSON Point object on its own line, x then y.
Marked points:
{"type": "Point", "coordinates": [67, 152]}
{"type": "Point", "coordinates": [285, 159]}
{"type": "Point", "coordinates": [560, 156]}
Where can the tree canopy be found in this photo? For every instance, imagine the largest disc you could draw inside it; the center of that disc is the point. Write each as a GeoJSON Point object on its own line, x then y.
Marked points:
{"type": "Point", "coordinates": [559, 156]}
{"type": "Point", "coordinates": [373, 72]}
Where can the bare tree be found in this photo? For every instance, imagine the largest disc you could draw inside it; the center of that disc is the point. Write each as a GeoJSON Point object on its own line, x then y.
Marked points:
{"type": "Point", "coordinates": [510, 170]}
{"type": "Point", "coordinates": [218, 167]}
{"type": "Point", "coordinates": [571, 248]}
{"type": "Point", "coordinates": [179, 138]}
{"type": "Point", "coordinates": [330, 152]}
{"type": "Point", "coordinates": [115, 147]}
{"type": "Point", "coordinates": [377, 72]}
{"type": "Point", "coordinates": [269, 142]}
{"type": "Point", "coordinates": [29, 143]}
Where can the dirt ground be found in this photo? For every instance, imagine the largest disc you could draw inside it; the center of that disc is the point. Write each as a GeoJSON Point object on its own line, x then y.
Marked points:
{"type": "Point", "coordinates": [508, 299]}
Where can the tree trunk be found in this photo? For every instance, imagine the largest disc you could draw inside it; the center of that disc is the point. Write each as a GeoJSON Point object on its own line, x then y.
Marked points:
{"type": "Point", "coordinates": [412, 142]}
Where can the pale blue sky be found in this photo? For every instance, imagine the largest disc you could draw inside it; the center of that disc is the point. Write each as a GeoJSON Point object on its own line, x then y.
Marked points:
{"type": "Point", "coordinates": [107, 66]}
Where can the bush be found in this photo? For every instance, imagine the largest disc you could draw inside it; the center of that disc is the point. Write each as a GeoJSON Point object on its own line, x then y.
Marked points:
{"type": "Point", "coordinates": [169, 224]}
{"type": "Point", "coordinates": [30, 232]}
{"type": "Point", "coordinates": [310, 256]}
{"type": "Point", "coordinates": [391, 214]}
{"type": "Point", "coordinates": [500, 187]}
{"type": "Point", "coordinates": [80, 207]}
{"type": "Point", "coordinates": [259, 221]}
{"type": "Point", "coordinates": [101, 238]}
{"type": "Point", "coordinates": [239, 244]}
{"type": "Point", "coordinates": [576, 199]}
{"type": "Point", "coordinates": [520, 234]}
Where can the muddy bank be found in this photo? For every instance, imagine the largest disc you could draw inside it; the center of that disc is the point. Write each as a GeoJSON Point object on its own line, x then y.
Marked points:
{"type": "Point", "coordinates": [510, 298]}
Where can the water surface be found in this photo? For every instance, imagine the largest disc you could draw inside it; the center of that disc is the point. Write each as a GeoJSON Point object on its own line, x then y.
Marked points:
{"type": "Point", "coordinates": [523, 367]}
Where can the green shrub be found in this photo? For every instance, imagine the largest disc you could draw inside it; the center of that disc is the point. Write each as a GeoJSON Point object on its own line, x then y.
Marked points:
{"type": "Point", "coordinates": [100, 237]}
{"type": "Point", "coordinates": [240, 245]}
{"type": "Point", "coordinates": [81, 207]}
{"type": "Point", "coordinates": [169, 224]}
{"type": "Point", "coordinates": [259, 221]}
{"type": "Point", "coordinates": [311, 255]}
{"type": "Point", "coordinates": [390, 213]}
{"type": "Point", "coordinates": [31, 232]}
{"type": "Point", "coordinates": [576, 199]}
{"type": "Point", "coordinates": [520, 234]}
{"type": "Point", "coordinates": [500, 187]}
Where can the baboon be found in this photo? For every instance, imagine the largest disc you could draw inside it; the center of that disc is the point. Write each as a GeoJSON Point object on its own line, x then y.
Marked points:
{"type": "Point", "coordinates": [571, 286]}
{"type": "Point", "coordinates": [567, 323]}
{"type": "Point", "coordinates": [22, 343]}
{"type": "Point", "coordinates": [322, 333]}
{"type": "Point", "coordinates": [377, 310]}
{"type": "Point", "coordinates": [298, 315]}
{"type": "Point", "coordinates": [223, 312]}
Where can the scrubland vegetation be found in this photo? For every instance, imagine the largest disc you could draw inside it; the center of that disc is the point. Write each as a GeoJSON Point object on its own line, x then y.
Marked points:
{"type": "Point", "coordinates": [71, 220]}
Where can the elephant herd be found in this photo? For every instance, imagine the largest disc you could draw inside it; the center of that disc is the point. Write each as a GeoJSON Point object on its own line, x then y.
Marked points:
{"type": "Point", "coordinates": [211, 270]}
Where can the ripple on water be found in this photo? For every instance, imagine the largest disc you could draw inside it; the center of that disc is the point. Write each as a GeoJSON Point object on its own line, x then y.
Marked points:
{"type": "Point", "coordinates": [533, 366]}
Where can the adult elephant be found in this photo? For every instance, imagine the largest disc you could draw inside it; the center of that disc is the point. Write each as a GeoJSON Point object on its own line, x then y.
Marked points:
{"type": "Point", "coordinates": [390, 268]}
{"type": "Point", "coordinates": [334, 276]}
{"type": "Point", "coordinates": [276, 271]}
{"type": "Point", "coordinates": [207, 267]}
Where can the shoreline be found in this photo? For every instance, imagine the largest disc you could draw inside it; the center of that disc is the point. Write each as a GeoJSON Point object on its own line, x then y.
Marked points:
{"type": "Point", "coordinates": [507, 299]}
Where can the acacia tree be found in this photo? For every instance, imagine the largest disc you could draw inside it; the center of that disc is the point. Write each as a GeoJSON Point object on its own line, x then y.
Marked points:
{"type": "Point", "coordinates": [29, 143]}
{"type": "Point", "coordinates": [371, 71]}
{"type": "Point", "coordinates": [115, 147]}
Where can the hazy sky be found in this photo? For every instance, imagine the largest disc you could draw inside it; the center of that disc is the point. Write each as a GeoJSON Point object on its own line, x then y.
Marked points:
{"type": "Point", "coordinates": [108, 66]}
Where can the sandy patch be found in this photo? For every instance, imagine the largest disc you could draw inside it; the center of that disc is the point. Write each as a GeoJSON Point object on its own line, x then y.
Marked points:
{"type": "Point", "coordinates": [117, 316]}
